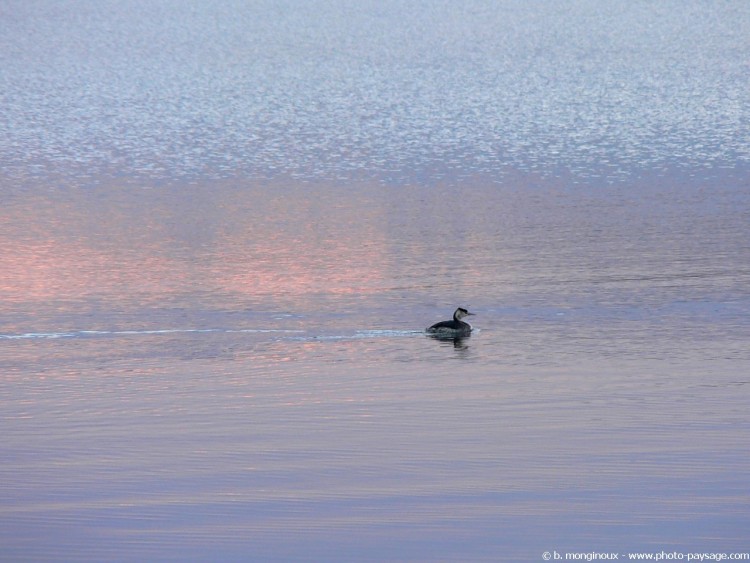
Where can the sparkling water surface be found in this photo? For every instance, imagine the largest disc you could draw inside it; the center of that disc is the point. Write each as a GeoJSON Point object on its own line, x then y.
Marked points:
{"type": "Point", "coordinates": [393, 91]}
{"type": "Point", "coordinates": [224, 227]}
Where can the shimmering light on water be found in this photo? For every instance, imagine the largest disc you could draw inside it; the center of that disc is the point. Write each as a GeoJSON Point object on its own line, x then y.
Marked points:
{"type": "Point", "coordinates": [387, 90]}
{"type": "Point", "coordinates": [224, 227]}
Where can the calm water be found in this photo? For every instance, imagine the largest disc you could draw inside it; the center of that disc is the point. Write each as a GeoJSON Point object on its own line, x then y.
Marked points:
{"type": "Point", "coordinates": [224, 228]}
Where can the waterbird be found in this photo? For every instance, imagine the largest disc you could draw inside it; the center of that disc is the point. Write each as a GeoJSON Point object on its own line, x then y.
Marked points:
{"type": "Point", "coordinates": [453, 328]}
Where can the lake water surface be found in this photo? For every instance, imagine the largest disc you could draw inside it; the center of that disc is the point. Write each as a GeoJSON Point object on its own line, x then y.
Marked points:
{"type": "Point", "coordinates": [224, 228]}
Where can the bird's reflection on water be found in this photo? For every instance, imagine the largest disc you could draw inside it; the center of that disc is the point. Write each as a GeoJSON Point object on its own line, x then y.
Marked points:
{"type": "Point", "coordinates": [459, 342]}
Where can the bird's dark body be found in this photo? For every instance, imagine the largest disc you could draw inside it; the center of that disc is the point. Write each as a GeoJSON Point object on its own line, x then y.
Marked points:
{"type": "Point", "coordinates": [449, 325]}
{"type": "Point", "coordinates": [455, 327]}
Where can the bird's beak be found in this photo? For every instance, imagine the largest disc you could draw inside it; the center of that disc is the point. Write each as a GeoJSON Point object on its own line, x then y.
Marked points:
{"type": "Point", "coordinates": [472, 314]}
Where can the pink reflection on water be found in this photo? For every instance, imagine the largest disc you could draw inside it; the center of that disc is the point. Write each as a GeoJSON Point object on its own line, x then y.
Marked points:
{"type": "Point", "coordinates": [293, 243]}
{"type": "Point", "coordinates": [154, 247]}
{"type": "Point", "coordinates": [60, 270]}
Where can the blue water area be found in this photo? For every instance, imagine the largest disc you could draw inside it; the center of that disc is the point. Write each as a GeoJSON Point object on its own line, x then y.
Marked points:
{"type": "Point", "coordinates": [224, 228]}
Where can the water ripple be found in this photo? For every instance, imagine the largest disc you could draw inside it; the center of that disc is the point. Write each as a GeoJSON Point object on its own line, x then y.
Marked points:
{"type": "Point", "coordinates": [381, 90]}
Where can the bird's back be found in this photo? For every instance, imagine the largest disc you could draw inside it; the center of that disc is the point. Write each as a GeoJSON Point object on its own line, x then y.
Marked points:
{"type": "Point", "coordinates": [452, 326]}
